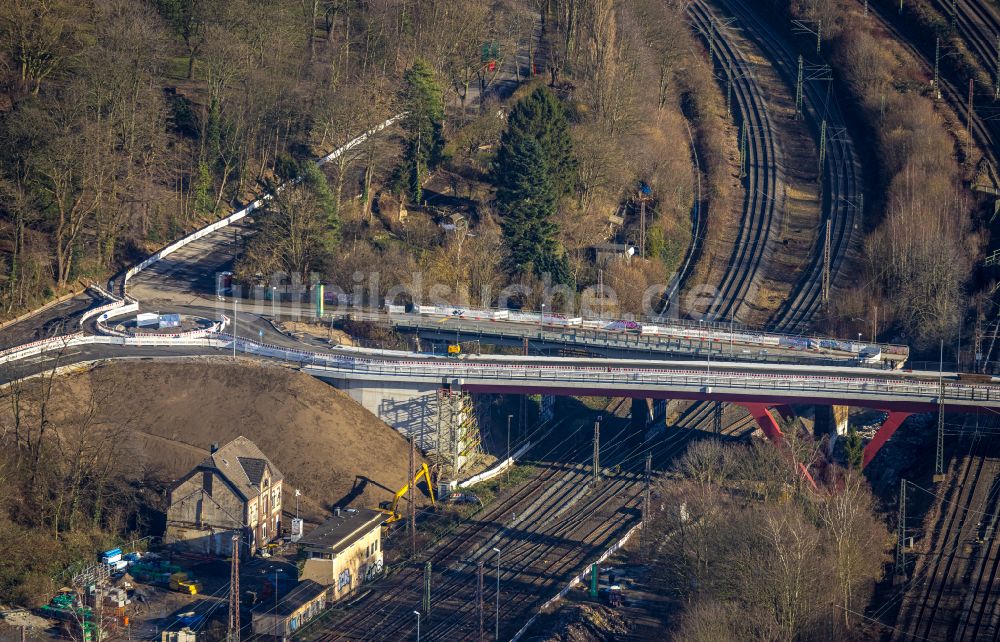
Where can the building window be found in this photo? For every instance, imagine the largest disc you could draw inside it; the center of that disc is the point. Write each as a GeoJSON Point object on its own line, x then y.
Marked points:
{"type": "Point", "coordinates": [276, 498]}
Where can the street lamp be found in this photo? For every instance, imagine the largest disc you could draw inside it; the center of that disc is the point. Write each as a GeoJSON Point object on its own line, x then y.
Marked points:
{"type": "Point", "coordinates": [234, 328]}
{"type": "Point", "coordinates": [417, 613]}
{"type": "Point", "coordinates": [497, 633]}
{"type": "Point", "coordinates": [509, 462]}
{"type": "Point", "coordinates": [276, 571]}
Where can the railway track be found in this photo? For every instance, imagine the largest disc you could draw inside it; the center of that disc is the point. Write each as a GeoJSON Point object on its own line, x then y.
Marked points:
{"type": "Point", "coordinates": [982, 130]}
{"type": "Point", "coordinates": [560, 523]}
{"type": "Point", "coordinates": [842, 185]}
{"type": "Point", "coordinates": [374, 615]}
{"type": "Point", "coordinates": [761, 164]}
{"type": "Point", "coordinates": [978, 24]}
{"type": "Point", "coordinates": [954, 591]}
{"type": "Point", "coordinates": [841, 196]}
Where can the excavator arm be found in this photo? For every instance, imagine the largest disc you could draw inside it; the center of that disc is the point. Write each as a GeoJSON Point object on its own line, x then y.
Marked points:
{"type": "Point", "coordinates": [390, 509]}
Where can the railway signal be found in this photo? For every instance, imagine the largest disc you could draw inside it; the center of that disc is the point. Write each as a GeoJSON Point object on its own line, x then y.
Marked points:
{"type": "Point", "coordinates": [427, 588]}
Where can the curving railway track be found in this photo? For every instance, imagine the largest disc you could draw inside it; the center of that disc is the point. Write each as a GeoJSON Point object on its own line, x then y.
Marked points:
{"type": "Point", "coordinates": [761, 162]}
{"type": "Point", "coordinates": [842, 185]}
{"type": "Point", "coordinates": [841, 181]}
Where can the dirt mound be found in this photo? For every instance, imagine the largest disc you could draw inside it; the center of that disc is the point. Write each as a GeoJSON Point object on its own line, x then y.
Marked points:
{"type": "Point", "coordinates": [587, 623]}
{"type": "Point", "coordinates": [327, 445]}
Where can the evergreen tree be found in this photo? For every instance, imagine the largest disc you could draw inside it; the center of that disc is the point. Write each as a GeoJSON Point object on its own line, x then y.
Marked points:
{"type": "Point", "coordinates": [315, 181]}
{"type": "Point", "coordinates": [423, 125]}
{"type": "Point", "coordinates": [541, 117]}
{"type": "Point", "coordinates": [533, 168]}
{"type": "Point", "coordinates": [526, 199]}
{"type": "Point", "coordinates": [854, 449]}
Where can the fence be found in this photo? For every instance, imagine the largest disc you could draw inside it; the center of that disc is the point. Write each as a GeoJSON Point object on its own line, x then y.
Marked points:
{"type": "Point", "coordinates": [576, 580]}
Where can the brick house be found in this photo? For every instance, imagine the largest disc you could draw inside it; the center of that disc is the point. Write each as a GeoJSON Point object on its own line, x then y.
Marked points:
{"type": "Point", "coordinates": [235, 488]}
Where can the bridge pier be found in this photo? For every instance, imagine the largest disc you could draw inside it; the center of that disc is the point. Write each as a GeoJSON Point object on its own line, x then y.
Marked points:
{"type": "Point", "coordinates": [762, 414]}
{"type": "Point", "coordinates": [886, 430]}
{"type": "Point", "coordinates": [831, 421]}
{"type": "Point", "coordinates": [786, 411]}
{"type": "Point", "coordinates": [642, 414]}
{"type": "Point", "coordinates": [658, 421]}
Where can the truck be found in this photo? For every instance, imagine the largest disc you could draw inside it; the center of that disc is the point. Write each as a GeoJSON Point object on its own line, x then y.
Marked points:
{"type": "Point", "coordinates": [183, 583]}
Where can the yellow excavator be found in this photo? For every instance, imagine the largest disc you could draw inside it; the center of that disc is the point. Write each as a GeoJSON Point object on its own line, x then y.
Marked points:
{"type": "Point", "coordinates": [389, 508]}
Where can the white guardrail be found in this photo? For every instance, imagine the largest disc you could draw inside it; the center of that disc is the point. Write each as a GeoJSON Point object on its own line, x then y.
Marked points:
{"type": "Point", "coordinates": [124, 304]}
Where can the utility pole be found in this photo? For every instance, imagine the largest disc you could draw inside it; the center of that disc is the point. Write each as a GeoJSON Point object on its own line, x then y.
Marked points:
{"type": "Point", "coordinates": [234, 328]}
{"type": "Point", "coordinates": [717, 418]}
{"type": "Point", "coordinates": [744, 150]}
{"type": "Point", "coordinates": [939, 452]}
{"type": "Point", "coordinates": [937, 64]}
{"type": "Point", "coordinates": [642, 226]}
{"type": "Point", "coordinates": [996, 82]}
{"type": "Point", "coordinates": [427, 588]}
{"type": "Point", "coordinates": [600, 288]}
{"type": "Point", "coordinates": [597, 451]}
{"type": "Point", "coordinates": [647, 490]}
{"type": "Point", "coordinates": [826, 266]}
{"type": "Point", "coordinates": [441, 450]}
{"type": "Point", "coordinates": [711, 41]}
{"type": "Point", "coordinates": [977, 341]}
{"type": "Point", "coordinates": [509, 462]}
{"type": "Point", "coordinates": [968, 123]}
{"type": "Point", "coordinates": [729, 96]}
{"type": "Point", "coordinates": [233, 633]}
{"type": "Point", "coordinates": [479, 599]}
{"type": "Point", "coordinates": [901, 534]}
{"type": "Point", "coordinates": [411, 518]}
{"type": "Point", "coordinates": [798, 91]}
{"type": "Point", "coordinates": [822, 147]}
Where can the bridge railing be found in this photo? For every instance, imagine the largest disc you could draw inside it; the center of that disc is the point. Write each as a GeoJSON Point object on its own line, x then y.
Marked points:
{"type": "Point", "coordinates": [527, 373]}
{"type": "Point", "coordinates": [615, 376]}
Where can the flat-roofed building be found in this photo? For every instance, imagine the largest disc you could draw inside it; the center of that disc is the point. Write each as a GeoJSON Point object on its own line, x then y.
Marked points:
{"type": "Point", "coordinates": [345, 551]}
{"type": "Point", "coordinates": [300, 605]}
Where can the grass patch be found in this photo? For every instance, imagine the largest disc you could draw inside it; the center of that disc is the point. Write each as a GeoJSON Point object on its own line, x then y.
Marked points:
{"type": "Point", "coordinates": [487, 491]}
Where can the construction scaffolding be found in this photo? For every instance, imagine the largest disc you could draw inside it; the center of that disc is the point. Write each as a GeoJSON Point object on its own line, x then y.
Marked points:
{"type": "Point", "coordinates": [457, 442]}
